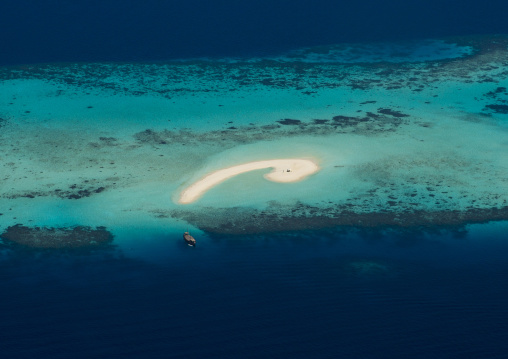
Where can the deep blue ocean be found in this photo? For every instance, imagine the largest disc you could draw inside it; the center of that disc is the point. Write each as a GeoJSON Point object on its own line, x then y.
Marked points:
{"type": "Point", "coordinates": [133, 30]}
{"type": "Point", "coordinates": [336, 293]}
{"type": "Point", "coordinates": [298, 295]}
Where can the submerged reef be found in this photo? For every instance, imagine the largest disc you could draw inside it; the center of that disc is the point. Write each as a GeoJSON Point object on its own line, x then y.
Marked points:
{"type": "Point", "coordinates": [384, 120]}
{"type": "Point", "coordinates": [400, 143]}
{"type": "Point", "coordinates": [213, 78]}
{"type": "Point", "coordinates": [47, 237]}
{"type": "Point", "coordinates": [250, 221]}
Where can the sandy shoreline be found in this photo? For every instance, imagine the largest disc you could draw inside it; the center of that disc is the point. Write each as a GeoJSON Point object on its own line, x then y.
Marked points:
{"type": "Point", "coordinates": [284, 170]}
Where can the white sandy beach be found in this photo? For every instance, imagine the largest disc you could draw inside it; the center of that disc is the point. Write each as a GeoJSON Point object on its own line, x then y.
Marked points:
{"type": "Point", "coordinates": [284, 170]}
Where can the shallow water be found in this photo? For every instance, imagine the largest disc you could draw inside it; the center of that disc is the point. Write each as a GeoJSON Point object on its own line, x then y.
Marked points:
{"type": "Point", "coordinates": [389, 137]}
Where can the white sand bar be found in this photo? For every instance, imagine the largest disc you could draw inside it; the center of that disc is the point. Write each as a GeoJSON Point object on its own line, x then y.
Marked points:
{"type": "Point", "coordinates": [284, 170]}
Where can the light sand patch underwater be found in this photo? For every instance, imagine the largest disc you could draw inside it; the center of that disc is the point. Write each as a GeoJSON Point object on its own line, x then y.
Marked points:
{"type": "Point", "coordinates": [113, 145]}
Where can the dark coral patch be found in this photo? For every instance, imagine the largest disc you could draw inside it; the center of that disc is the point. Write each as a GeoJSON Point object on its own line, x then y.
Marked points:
{"type": "Point", "coordinates": [387, 111]}
{"type": "Point", "coordinates": [502, 109]}
{"type": "Point", "coordinates": [348, 121]}
{"type": "Point", "coordinates": [345, 118]}
{"type": "Point", "coordinates": [288, 121]}
{"type": "Point", "coordinates": [373, 115]}
{"type": "Point", "coordinates": [302, 217]}
{"type": "Point", "coordinates": [46, 237]}
{"type": "Point", "coordinates": [74, 192]}
{"type": "Point", "coordinates": [150, 136]}
{"type": "Point", "coordinates": [496, 92]}
{"type": "Point", "coordinates": [81, 193]}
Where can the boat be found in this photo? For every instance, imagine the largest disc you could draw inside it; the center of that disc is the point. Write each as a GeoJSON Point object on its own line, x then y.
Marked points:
{"type": "Point", "coordinates": [189, 239]}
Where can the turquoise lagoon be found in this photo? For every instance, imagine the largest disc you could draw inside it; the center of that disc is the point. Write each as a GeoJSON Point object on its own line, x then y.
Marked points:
{"type": "Point", "coordinates": [405, 135]}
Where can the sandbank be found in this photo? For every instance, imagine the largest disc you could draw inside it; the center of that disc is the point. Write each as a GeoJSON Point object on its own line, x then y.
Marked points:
{"type": "Point", "coordinates": [284, 170]}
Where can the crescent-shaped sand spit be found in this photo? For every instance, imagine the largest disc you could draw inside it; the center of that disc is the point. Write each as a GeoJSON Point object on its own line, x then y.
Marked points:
{"type": "Point", "coordinates": [284, 170]}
